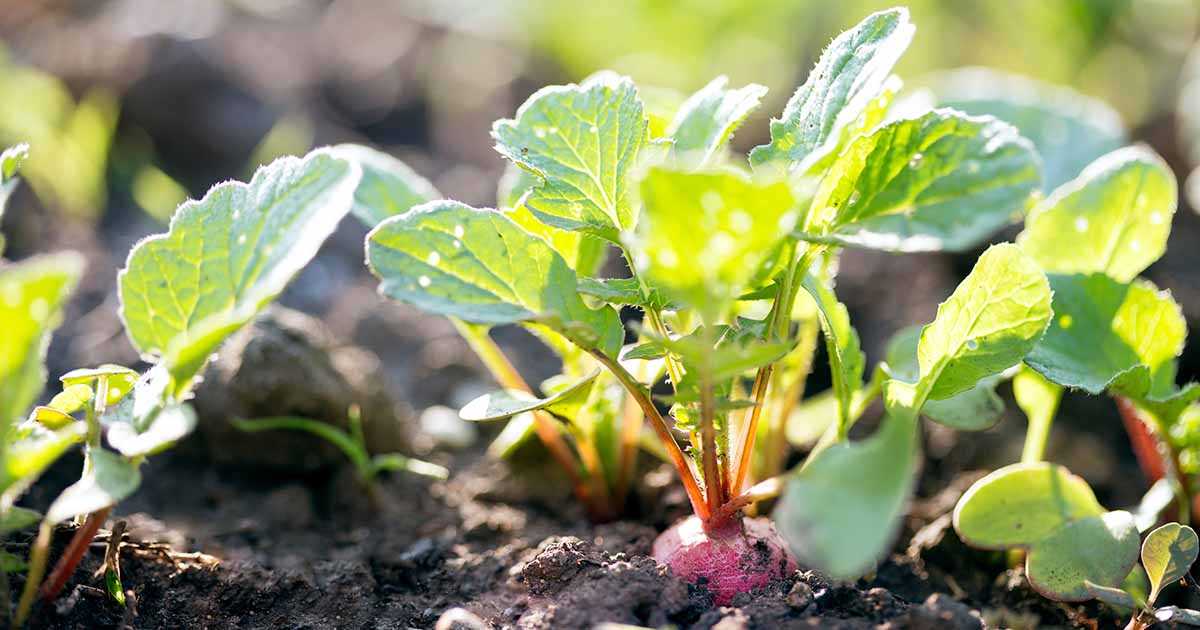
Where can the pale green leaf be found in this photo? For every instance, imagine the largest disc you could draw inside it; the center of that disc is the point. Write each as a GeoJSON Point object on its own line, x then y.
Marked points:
{"type": "Point", "coordinates": [1168, 554]}
{"type": "Point", "coordinates": [975, 409]}
{"type": "Point", "coordinates": [50, 417]}
{"type": "Point", "coordinates": [71, 399]}
{"type": "Point", "coordinates": [352, 449]}
{"type": "Point", "coordinates": [584, 142]}
{"type": "Point", "coordinates": [388, 186]}
{"type": "Point", "coordinates": [990, 322]}
{"type": "Point", "coordinates": [508, 403]}
{"type": "Point", "coordinates": [1110, 595]}
{"type": "Point", "coordinates": [171, 424]}
{"type": "Point", "coordinates": [1069, 129]}
{"type": "Point", "coordinates": [518, 430]}
{"type": "Point", "coordinates": [706, 121]}
{"type": "Point", "coordinates": [119, 379]}
{"type": "Point", "coordinates": [110, 480]}
{"type": "Point", "coordinates": [846, 359]}
{"type": "Point", "coordinates": [1097, 549]}
{"type": "Point", "coordinates": [850, 73]}
{"type": "Point", "coordinates": [941, 181]}
{"type": "Point", "coordinates": [813, 417]}
{"type": "Point", "coordinates": [17, 518]}
{"type": "Point", "coordinates": [10, 162]}
{"type": "Point", "coordinates": [1020, 504]}
{"type": "Point", "coordinates": [228, 255]}
{"type": "Point", "coordinates": [1104, 329]}
{"type": "Point", "coordinates": [32, 295]}
{"type": "Point", "coordinates": [840, 528]}
{"type": "Point", "coordinates": [30, 450]}
{"type": "Point", "coordinates": [732, 221]}
{"type": "Point", "coordinates": [1116, 216]}
{"type": "Point", "coordinates": [585, 254]}
{"type": "Point", "coordinates": [479, 266]}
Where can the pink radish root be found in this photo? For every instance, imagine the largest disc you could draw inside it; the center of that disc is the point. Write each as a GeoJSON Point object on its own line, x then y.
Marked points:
{"type": "Point", "coordinates": [735, 557]}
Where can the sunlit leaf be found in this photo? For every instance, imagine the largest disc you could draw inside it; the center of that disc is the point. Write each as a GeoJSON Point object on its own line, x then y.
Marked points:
{"type": "Point", "coordinates": [706, 121]}
{"type": "Point", "coordinates": [1021, 504]}
{"type": "Point", "coordinates": [228, 255]}
{"type": "Point", "coordinates": [846, 359]}
{"type": "Point", "coordinates": [1168, 554]}
{"type": "Point", "coordinates": [110, 480]}
{"type": "Point", "coordinates": [508, 403]}
{"type": "Point", "coordinates": [972, 410]}
{"type": "Point", "coordinates": [388, 186]}
{"type": "Point", "coordinates": [1098, 549]}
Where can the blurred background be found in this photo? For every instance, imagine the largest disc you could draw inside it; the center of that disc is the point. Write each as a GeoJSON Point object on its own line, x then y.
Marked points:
{"type": "Point", "coordinates": [132, 106]}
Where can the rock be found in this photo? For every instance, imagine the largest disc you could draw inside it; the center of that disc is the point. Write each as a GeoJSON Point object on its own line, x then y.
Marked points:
{"type": "Point", "coordinates": [287, 364]}
{"type": "Point", "coordinates": [446, 428]}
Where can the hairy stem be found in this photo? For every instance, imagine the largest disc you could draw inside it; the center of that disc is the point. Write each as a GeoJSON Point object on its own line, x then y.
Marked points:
{"type": "Point", "coordinates": [708, 436]}
{"type": "Point", "coordinates": [33, 578]}
{"type": "Point", "coordinates": [659, 424]}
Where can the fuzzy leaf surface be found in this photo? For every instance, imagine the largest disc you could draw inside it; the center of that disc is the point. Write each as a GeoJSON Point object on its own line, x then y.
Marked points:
{"type": "Point", "coordinates": [1020, 504]}
{"type": "Point", "coordinates": [388, 186]}
{"type": "Point", "coordinates": [1097, 549]}
{"type": "Point", "coordinates": [707, 119]}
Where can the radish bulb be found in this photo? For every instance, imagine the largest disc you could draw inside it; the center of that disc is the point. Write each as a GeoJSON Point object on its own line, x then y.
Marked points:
{"type": "Point", "coordinates": [734, 557]}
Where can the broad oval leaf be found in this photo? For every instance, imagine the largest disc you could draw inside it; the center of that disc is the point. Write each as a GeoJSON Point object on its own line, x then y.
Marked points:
{"type": "Point", "coordinates": [943, 180]}
{"type": "Point", "coordinates": [1110, 595]}
{"type": "Point", "coordinates": [707, 119]}
{"type": "Point", "coordinates": [975, 409]}
{"type": "Point", "coordinates": [479, 266]}
{"type": "Point", "coordinates": [846, 358]}
{"type": "Point", "coordinates": [990, 322]}
{"type": "Point", "coordinates": [840, 528]}
{"type": "Point", "coordinates": [1168, 554]}
{"type": "Point", "coordinates": [1103, 329]}
{"type": "Point", "coordinates": [32, 295]}
{"type": "Point", "coordinates": [51, 418]}
{"type": "Point", "coordinates": [1069, 129]}
{"type": "Point", "coordinates": [228, 255]}
{"type": "Point", "coordinates": [1020, 504]}
{"type": "Point", "coordinates": [732, 221]}
{"type": "Point", "coordinates": [584, 141]}
{"type": "Point", "coordinates": [850, 73]}
{"type": "Point", "coordinates": [388, 186]}
{"type": "Point", "coordinates": [1098, 549]}
{"type": "Point", "coordinates": [1117, 212]}
{"type": "Point", "coordinates": [508, 403]}
{"type": "Point", "coordinates": [111, 479]}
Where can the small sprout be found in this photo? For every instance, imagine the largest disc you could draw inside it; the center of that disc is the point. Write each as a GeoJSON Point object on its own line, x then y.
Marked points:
{"type": "Point", "coordinates": [1168, 554]}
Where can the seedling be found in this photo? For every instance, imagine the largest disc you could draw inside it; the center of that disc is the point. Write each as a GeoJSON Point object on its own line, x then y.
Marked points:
{"type": "Point", "coordinates": [353, 444]}
{"type": "Point", "coordinates": [730, 265]}
{"type": "Point", "coordinates": [224, 258]}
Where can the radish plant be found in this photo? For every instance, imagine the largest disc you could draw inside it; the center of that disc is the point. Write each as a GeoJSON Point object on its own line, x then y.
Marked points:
{"type": "Point", "coordinates": [224, 259]}
{"type": "Point", "coordinates": [729, 263]}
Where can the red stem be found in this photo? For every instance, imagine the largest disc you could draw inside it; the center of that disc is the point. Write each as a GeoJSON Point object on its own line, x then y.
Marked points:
{"type": "Point", "coordinates": [66, 565]}
{"type": "Point", "coordinates": [1145, 447]}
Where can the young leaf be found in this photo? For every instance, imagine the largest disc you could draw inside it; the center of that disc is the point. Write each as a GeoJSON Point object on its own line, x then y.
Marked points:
{"type": "Point", "coordinates": [584, 142]}
{"type": "Point", "coordinates": [455, 260]}
{"type": "Point", "coordinates": [32, 294]}
{"type": "Point", "coordinates": [1110, 595]}
{"type": "Point", "coordinates": [72, 398]}
{"type": "Point", "coordinates": [990, 322]}
{"type": "Point", "coordinates": [975, 409]}
{"type": "Point", "coordinates": [1168, 554]}
{"type": "Point", "coordinates": [388, 186]}
{"type": "Point", "coordinates": [120, 380]}
{"type": "Point", "coordinates": [850, 72]}
{"type": "Point", "coordinates": [705, 122]}
{"type": "Point", "coordinates": [516, 432]}
{"type": "Point", "coordinates": [1104, 329]}
{"type": "Point", "coordinates": [171, 424]}
{"type": "Point", "coordinates": [1020, 504]}
{"type": "Point", "coordinates": [111, 479]}
{"type": "Point", "coordinates": [733, 220]}
{"type": "Point", "coordinates": [30, 451]}
{"type": "Point", "coordinates": [50, 417]}
{"type": "Point", "coordinates": [228, 255]}
{"type": "Point", "coordinates": [10, 162]}
{"type": "Point", "coordinates": [941, 181]}
{"type": "Point", "coordinates": [846, 359]}
{"type": "Point", "coordinates": [508, 403]}
{"type": "Point", "coordinates": [840, 528]}
{"type": "Point", "coordinates": [1118, 212]}
{"type": "Point", "coordinates": [1069, 129]}
{"type": "Point", "coordinates": [1097, 549]}
{"type": "Point", "coordinates": [17, 518]}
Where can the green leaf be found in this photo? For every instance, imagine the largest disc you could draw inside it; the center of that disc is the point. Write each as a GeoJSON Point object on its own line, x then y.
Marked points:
{"type": "Point", "coordinates": [975, 409]}
{"type": "Point", "coordinates": [706, 121]}
{"type": "Point", "coordinates": [585, 254]}
{"type": "Point", "coordinates": [111, 479]}
{"type": "Point", "coordinates": [120, 380]}
{"type": "Point", "coordinates": [516, 432]}
{"type": "Point", "coordinates": [618, 291]}
{"type": "Point", "coordinates": [840, 528]}
{"type": "Point", "coordinates": [941, 181]}
{"type": "Point", "coordinates": [1069, 129]}
{"type": "Point", "coordinates": [732, 219]}
{"type": "Point", "coordinates": [850, 73]}
{"type": "Point", "coordinates": [846, 359]}
{"type": "Point", "coordinates": [228, 255]}
{"type": "Point", "coordinates": [477, 265]}
{"type": "Point", "coordinates": [397, 462]}
{"type": "Point", "coordinates": [1097, 549]}
{"type": "Point", "coordinates": [173, 423]}
{"type": "Point", "coordinates": [388, 186]}
{"type": "Point", "coordinates": [72, 398]}
{"type": "Point", "coordinates": [10, 563]}
{"type": "Point", "coordinates": [30, 451]}
{"type": "Point", "coordinates": [1020, 504]}
{"type": "Point", "coordinates": [584, 142]}
{"type": "Point", "coordinates": [51, 418]}
{"type": "Point", "coordinates": [1168, 554]}
{"type": "Point", "coordinates": [17, 518]}
{"type": "Point", "coordinates": [508, 403]}
{"type": "Point", "coordinates": [10, 162]}
{"type": "Point", "coordinates": [1117, 212]}
{"type": "Point", "coordinates": [1110, 595]}
{"type": "Point", "coordinates": [1104, 330]}
{"type": "Point", "coordinates": [32, 295]}
{"type": "Point", "coordinates": [990, 322]}
{"type": "Point", "coordinates": [810, 420]}
{"type": "Point", "coordinates": [514, 183]}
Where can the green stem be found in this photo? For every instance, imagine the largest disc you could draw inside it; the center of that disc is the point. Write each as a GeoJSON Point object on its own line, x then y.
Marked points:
{"type": "Point", "coordinates": [1037, 435]}
{"type": "Point", "coordinates": [38, 556]}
